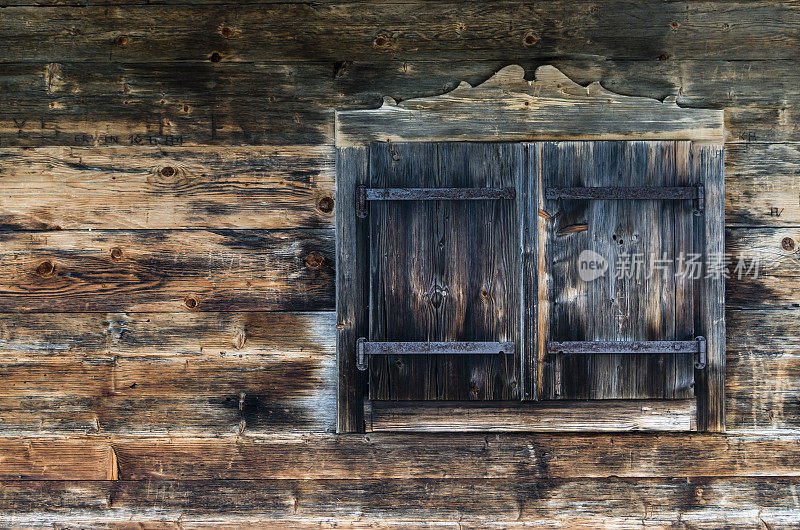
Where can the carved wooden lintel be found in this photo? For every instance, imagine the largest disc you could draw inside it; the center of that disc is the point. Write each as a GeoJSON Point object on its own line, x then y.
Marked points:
{"type": "Point", "coordinates": [506, 107]}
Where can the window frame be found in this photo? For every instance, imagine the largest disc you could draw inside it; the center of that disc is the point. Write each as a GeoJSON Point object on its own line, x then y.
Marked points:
{"type": "Point", "coordinates": [508, 108]}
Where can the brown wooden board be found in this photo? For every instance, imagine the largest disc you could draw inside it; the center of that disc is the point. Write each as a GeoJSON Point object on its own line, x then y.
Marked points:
{"type": "Point", "coordinates": [444, 270]}
{"type": "Point", "coordinates": [629, 301]}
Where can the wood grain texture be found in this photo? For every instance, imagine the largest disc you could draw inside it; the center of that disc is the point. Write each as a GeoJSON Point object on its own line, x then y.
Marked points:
{"type": "Point", "coordinates": [657, 501]}
{"type": "Point", "coordinates": [166, 188]}
{"type": "Point", "coordinates": [506, 107]}
{"type": "Point", "coordinates": [392, 456]}
{"type": "Point", "coordinates": [419, 30]}
{"type": "Point", "coordinates": [352, 288]}
{"type": "Point", "coordinates": [622, 304]}
{"type": "Point", "coordinates": [543, 416]}
{"type": "Point", "coordinates": [445, 271]}
{"type": "Point", "coordinates": [197, 103]}
{"type": "Point", "coordinates": [146, 270]}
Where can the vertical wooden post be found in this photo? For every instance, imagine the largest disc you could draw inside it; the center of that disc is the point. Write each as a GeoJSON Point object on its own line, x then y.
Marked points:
{"type": "Point", "coordinates": [351, 287]}
{"type": "Point", "coordinates": [708, 162]}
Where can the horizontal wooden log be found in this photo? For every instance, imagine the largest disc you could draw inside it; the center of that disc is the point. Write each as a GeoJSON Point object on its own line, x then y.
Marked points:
{"type": "Point", "coordinates": [275, 187]}
{"type": "Point", "coordinates": [768, 268]}
{"type": "Point", "coordinates": [504, 31]}
{"type": "Point", "coordinates": [544, 416]}
{"type": "Point", "coordinates": [398, 456]}
{"type": "Point", "coordinates": [167, 187]}
{"type": "Point", "coordinates": [159, 373]}
{"type": "Point", "coordinates": [183, 373]}
{"type": "Point", "coordinates": [146, 270]}
{"type": "Point", "coordinates": [656, 502]}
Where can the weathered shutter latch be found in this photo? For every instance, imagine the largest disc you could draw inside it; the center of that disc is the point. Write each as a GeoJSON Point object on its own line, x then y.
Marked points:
{"type": "Point", "coordinates": [365, 348]}
{"type": "Point", "coordinates": [696, 346]}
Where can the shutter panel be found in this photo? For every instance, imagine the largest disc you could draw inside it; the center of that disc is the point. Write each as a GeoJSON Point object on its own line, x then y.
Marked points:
{"type": "Point", "coordinates": [444, 270]}
{"type": "Point", "coordinates": [615, 306]}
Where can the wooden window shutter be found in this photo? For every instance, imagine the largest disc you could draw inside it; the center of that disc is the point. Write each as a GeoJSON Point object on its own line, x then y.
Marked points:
{"type": "Point", "coordinates": [445, 270]}
{"type": "Point", "coordinates": [653, 253]}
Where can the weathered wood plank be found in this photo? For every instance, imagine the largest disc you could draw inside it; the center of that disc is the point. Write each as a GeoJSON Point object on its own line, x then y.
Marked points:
{"type": "Point", "coordinates": [708, 167]}
{"type": "Point", "coordinates": [167, 187]}
{"type": "Point", "coordinates": [352, 288]}
{"type": "Point", "coordinates": [503, 30]}
{"type": "Point", "coordinates": [542, 416]}
{"type": "Point", "coordinates": [146, 270]}
{"type": "Point", "coordinates": [398, 456]}
{"type": "Point", "coordinates": [277, 187]}
{"type": "Point", "coordinates": [506, 107]}
{"type": "Point", "coordinates": [150, 373]}
{"type": "Point", "coordinates": [768, 268]}
{"type": "Point", "coordinates": [660, 502]}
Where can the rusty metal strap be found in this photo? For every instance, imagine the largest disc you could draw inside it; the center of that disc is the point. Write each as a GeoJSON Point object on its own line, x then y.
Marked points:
{"type": "Point", "coordinates": [365, 348]}
{"type": "Point", "coordinates": [696, 346]}
{"type": "Point", "coordinates": [696, 193]}
{"type": "Point", "coordinates": [364, 194]}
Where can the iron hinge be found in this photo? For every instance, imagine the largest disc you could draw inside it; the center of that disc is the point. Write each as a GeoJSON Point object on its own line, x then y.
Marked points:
{"type": "Point", "coordinates": [696, 346]}
{"type": "Point", "coordinates": [364, 194]}
{"type": "Point", "coordinates": [364, 349]}
{"type": "Point", "coordinates": [695, 193]}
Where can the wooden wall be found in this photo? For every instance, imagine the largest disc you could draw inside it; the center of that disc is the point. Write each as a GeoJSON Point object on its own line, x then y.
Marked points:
{"type": "Point", "coordinates": [167, 249]}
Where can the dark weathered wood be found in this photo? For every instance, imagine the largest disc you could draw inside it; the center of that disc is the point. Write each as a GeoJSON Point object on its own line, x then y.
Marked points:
{"type": "Point", "coordinates": [709, 162]}
{"type": "Point", "coordinates": [167, 187]}
{"type": "Point", "coordinates": [147, 270]}
{"type": "Point", "coordinates": [438, 31]}
{"type": "Point", "coordinates": [585, 502]}
{"type": "Point", "coordinates": [445, 271]}
{"type": "Point", "coordinates": [352, 284]}
{"type": "Point", "coordinates": [620, 304]}
{"type": "Point", "coordinates": [543, 416]}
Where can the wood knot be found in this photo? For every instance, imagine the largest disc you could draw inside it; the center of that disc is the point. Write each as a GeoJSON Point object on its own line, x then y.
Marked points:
{"type": "Point", "coordinates": [663, 57]}
{"type": "Point", "coordinates": [168, 171]}
{"type": "Point", "coordinates": [787, 243]}
{"type": "Point", "coordinates": [314, 260]}
{"type": "Point", "coordinates": [45, 269]}
{"type": "Point", "coordinates": [122, 40]}
{"type": "Point", "coordinates": [530, 39]}
{"type": "Point", "coordinates": [674, 25]}
{"type": "Point", "coordinates": [191, 302]}
{"type": "Point", "coordinates": [380, 42]}
{"type": "Point", "coordinates": [215, 57]}
{"type": "Point", "coordinates": [227, 32]}
{"type": "Point", "coordinates": [325, 205]}
{"type": "Point", "coordinates": [240, 340]}
{"type": "Point", "coordinates": [116, 253]}
{"type": "Point", "coordinates": [484, 294]}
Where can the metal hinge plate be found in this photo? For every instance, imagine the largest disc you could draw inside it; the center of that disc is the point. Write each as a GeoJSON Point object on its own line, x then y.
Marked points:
{"type": "Point", "coordinates": [696, 346]}
{"type": "Point", "coordinates": [364, 349]}
{"type": "Point", "coordinates": [696, 193]}
{"type": "Point", "coordinates": [364, 194]}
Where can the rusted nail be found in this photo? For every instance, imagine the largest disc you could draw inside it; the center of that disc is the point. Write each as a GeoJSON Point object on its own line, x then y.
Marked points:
{"type": "Point", "coordinates": [325, 205]}
{"type": "Point", "coordinates": [674, 24]}
{"type": "Point", "coordinates": [191, 302]}
{"type": "Point", "coordinates": [122, 40]}
{"type": "Point", "coordinates": [45, 268]}
{"type": "Point", "coordinates": [168, 171]}
{"type": "Point", "coordinates": [663, 57]}
{"type": "Point", "coordinates": [215, 57]}
{"type": "Point", "coordinates": [530, 39]}
{"type": "Point", "coordinates": [398, 363]}
{"type": "Point", "coordinates": [116, 253]}
{"type": "Point", "coordinates": [314, 260]}
{"type": "Point", "coordinates": [787, 243]}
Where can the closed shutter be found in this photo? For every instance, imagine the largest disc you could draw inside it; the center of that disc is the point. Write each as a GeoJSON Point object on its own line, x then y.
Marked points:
{"type": "Point", "coordinates": [445, 270]}
{"type": "Point", "coordinates": [647, 291]}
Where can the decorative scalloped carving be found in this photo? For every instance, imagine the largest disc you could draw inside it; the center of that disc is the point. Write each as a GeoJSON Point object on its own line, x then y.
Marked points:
{"type": "Point", "coordinates": [508, 107]}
